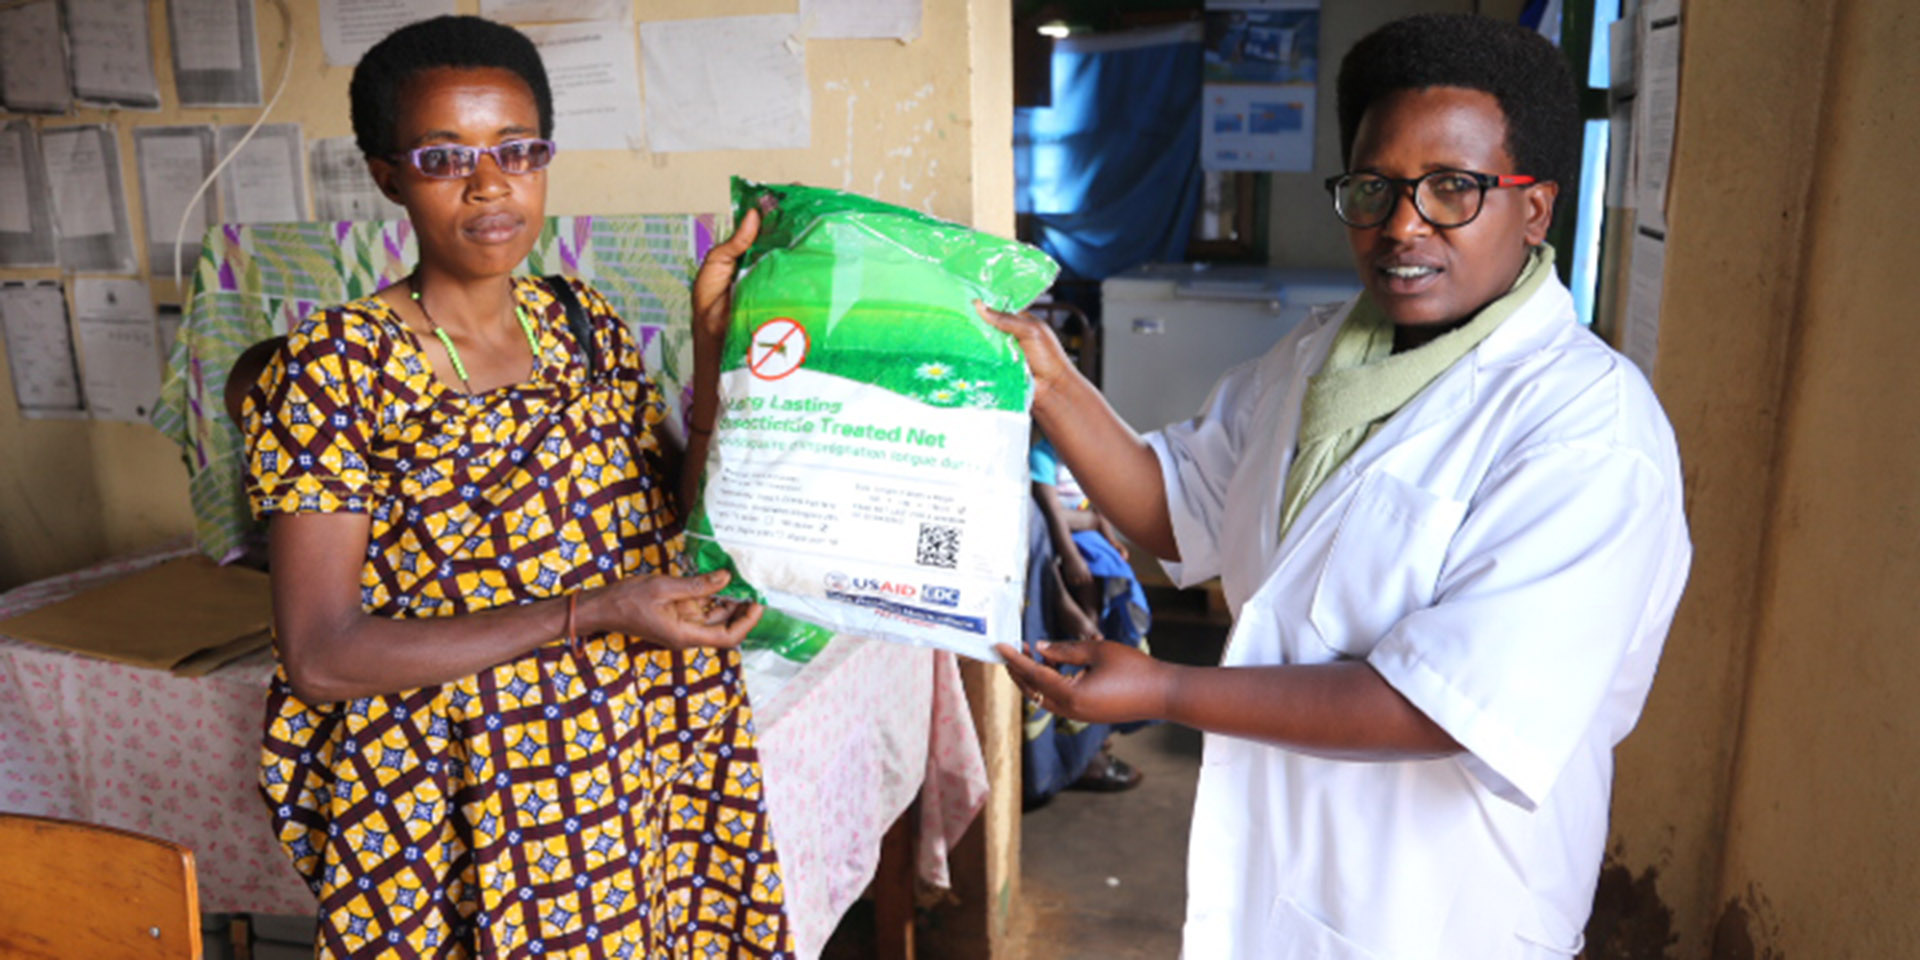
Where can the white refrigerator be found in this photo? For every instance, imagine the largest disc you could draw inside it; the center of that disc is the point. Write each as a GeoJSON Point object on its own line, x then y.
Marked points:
{"type": "Point", "coordinates": [1168, 331]}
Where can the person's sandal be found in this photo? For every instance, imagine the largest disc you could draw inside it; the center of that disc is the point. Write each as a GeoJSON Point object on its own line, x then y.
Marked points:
{"type": "Point", "coordinates": [1107, 774]}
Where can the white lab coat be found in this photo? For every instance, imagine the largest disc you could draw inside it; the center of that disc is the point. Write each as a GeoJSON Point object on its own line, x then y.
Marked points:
{"type": "Point", "coordinates": [1507, 551]}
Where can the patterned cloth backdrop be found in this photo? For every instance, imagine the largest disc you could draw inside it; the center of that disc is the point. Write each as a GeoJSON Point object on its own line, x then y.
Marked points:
{"type": "Point", "coordinates": [255, 281]}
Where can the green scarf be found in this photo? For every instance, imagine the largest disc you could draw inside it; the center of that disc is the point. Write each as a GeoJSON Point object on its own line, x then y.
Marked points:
{"type": "Point", "coordinates": [1364, 382]}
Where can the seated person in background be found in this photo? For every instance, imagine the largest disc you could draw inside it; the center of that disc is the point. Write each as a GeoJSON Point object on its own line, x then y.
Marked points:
{"type": "Point", "coordinates": [1448, 521]}
{"type": "Point", "coordinates": [1080, 586]}
{"type": "Point", "coordinates": [502, 725]}
{"type": "Point", "coordinates": [241, 377]}
{"type": "Point", "coordinates": [246, 372]}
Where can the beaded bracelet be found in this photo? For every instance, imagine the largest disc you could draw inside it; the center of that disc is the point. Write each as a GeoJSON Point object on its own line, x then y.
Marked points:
{"type": "Point", "coordinates": [573, 640]}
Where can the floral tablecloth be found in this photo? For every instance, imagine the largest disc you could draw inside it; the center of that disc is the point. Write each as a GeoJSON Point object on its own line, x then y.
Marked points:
{"type": "Point", "coordinates": [847, 745]}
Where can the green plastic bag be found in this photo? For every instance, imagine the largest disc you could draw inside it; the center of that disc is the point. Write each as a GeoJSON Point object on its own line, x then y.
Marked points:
{"type": "Point", "coordinates": [868, 472]}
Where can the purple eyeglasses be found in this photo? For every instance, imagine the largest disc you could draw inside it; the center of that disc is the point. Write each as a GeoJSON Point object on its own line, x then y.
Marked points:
{"type": "Point", "coordinates": [454, 161]}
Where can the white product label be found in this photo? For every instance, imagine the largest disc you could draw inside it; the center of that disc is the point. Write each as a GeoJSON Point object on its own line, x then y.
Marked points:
{"type": "Point", "coordinates": [871, 513]}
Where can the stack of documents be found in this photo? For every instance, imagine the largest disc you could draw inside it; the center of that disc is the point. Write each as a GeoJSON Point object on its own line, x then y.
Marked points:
{"type": "Point", "coordinates": [188, 616]}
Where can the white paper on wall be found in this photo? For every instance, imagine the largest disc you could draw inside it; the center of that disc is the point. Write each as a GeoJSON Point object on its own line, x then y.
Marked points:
{"type": "Point", "coordinates": [859, 19]}
{"type": "Point", "coordinates": [206, 34]}
{"type": "Point", "coordinates": [264, 183]}
{"type": "Point", "coordinates": [27, 237]}
{"type": "Point", "coordinates": [728, 83]}
{"type": "Point", "coordinates": [1656, 105]}
{"type": "Point", "coordinates": [77, 170]}
{"type": "Point", "coordinates": [112, 53]}
{"type": "Point", "coordinates": [89, 201]}
{"type": "Point", "coordinates": [555, 11]}
{"type": "Point", "coordinates": [342, 187]}
{"type": "Point", "coordinates": [15, 197]}
{"type": "Point", "coordinates": [596, 84]}
{"type": "Point", "coordinates": [33, 59]}
{"type": "Point", "coordinates": [119, 347]}
{"type": "Point", "coordinates": [348, 28]}
{"type": "Point", "coordinates": [33, 318]}
{"type": "Point", "coordinates": [216, 57]}
{"type": "Point", "coordinates": [1640, 327]}
{"type": "Point", "coordinates": [173, 162]}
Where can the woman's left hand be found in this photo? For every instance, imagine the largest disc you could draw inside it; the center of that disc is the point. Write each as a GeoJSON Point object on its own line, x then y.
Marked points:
{"type": "Point", "coordinates": [672, 612]}
{"type": "Point", "coordinates": [713, 285]}
{"type": "Point", "coordinates": [1117, 683]}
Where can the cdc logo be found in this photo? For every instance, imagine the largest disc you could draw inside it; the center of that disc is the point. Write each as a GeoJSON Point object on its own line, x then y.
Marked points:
{"type": "Point", "coordinates": [944, 596]}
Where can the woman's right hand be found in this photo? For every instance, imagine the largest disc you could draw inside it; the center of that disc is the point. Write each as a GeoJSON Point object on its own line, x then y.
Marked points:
{"type": "Point", "coordinates": [672, 612]}
{"type": "Point", "coordinates": [713, 284]}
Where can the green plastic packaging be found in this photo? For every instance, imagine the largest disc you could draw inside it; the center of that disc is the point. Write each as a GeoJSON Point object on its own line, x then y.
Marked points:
{"type": "Point", "coordinates": [868, 472]}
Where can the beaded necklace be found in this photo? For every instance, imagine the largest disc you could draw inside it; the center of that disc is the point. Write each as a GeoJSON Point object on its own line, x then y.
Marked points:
{"type": "Point", "coordinates": [460, 369]}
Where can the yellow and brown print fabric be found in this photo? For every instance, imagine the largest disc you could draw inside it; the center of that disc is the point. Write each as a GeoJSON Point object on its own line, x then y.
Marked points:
{"type": "Point", "coordinates": [598, 801]}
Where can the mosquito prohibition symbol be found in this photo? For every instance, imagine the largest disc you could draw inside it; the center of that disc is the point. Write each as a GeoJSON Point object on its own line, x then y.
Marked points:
{"type": "Point", "coordinates": [778, 348]}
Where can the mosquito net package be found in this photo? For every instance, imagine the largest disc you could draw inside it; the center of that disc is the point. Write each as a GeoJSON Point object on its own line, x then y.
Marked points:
{"type": "Point", "coordinates": [868, 471]}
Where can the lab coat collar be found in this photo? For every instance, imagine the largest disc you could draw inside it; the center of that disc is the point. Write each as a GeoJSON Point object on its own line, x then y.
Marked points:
{"type": "Point", "coordinates": [1543, 318]}
{"type": "Point", "coordinates": [1532, 328]}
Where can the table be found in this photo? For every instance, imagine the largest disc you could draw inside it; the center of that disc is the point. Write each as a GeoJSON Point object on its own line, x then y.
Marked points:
{"type": "Point", "coordinates": [846, 747]}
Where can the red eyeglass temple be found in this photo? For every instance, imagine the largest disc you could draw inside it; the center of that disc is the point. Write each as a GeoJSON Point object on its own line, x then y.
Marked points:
{"type": "Point", "coordinates": [1504, 181]}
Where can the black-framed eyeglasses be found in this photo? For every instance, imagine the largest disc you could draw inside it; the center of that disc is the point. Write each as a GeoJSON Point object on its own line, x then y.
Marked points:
{"type": "Point", "coordinates": [454, 161]}
{"type": "Point", "coordinates": [1443, 198]}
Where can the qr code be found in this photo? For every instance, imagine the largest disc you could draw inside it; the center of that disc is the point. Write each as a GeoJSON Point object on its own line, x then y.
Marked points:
{"type": "Point", "coordinates": [939, 546]}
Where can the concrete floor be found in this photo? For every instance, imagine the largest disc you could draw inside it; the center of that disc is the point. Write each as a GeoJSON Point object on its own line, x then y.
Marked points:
{"type": "Point", "coordinates": [1104, 875]}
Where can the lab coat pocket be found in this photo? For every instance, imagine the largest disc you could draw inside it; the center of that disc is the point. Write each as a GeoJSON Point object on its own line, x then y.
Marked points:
{"type": "Point", "coordinates": [1384, 562]}
{"type": "Point", "coordinates": [1294, 934]}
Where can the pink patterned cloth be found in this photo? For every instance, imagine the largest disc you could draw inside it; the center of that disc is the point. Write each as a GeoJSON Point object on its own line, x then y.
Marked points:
{"type": "Point", "coordinates": [849, 744]}
{"type": "Point", "coordinates": [846, 746]}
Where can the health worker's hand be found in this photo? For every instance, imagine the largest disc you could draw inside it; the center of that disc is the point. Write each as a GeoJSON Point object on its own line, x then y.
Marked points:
{"type": "Point", "coordinates": [713, 285]}
{"type": "Point", "coordinates": [1047, 360]}
{"type": "Point", "coordinates": [1117, 684]}
{"type": "Point", "coordinates": [675, 612]}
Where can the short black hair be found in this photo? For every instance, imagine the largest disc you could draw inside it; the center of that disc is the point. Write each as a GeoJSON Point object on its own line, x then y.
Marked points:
{"type": "Point", "coordinates": [461, 42]}
{"type": "Point", "coordinates": [1523, 71]}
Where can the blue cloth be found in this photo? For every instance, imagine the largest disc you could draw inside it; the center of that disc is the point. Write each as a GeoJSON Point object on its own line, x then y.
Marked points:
{"type": "Point", "coordinates": [1123, 604]}
{"type": "Point", "coordinates": [1056, 751]}
{"type": "Point", "coordinates": [1111, 172]}
{"type": "Point", "coordinates": [1043, 465]}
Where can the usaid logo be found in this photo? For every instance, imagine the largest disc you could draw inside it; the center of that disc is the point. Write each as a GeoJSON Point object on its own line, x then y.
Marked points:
{"type": "Point", "coordinates": [885, 588]}
{"type": "Point", "coordinates": [838, 582]}
{"type": "Point", "coordinates": [944, 596]}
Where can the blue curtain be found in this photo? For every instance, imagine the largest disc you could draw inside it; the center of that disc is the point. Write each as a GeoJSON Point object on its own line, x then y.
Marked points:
{"type": "Point", "coordinates": [1111, 171]}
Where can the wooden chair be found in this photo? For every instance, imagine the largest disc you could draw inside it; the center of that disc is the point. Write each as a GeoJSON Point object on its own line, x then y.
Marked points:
{"type": "Point", "coordinates": [77, 891]}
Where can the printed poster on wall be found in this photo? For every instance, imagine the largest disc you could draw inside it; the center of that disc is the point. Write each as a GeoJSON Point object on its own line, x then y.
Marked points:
{"type": "Point", "coordinates": [1262, 65]}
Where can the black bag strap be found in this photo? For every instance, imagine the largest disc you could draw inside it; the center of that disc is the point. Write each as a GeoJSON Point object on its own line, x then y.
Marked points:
{"type": "Point", "coordinates": [577, 322]}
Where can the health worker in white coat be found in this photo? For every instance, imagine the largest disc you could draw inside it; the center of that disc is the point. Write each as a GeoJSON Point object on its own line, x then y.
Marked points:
{"type": "Point", "coordinates": [1447, 519]}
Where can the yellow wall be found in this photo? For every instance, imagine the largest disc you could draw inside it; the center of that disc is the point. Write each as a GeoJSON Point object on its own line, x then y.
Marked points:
{"type": "Point", "coordinates": [1728, 315]}
{"type": "Point", "coordinates": [895, 120]}
{"type": "Point", "coordinates": [1823, 852]}
{"type": "Point", "coordinates": [1762, 810]}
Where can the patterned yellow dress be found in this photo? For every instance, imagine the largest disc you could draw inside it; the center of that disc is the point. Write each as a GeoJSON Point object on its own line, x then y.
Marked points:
{"type": "Point", "coordinates": [598, 802]}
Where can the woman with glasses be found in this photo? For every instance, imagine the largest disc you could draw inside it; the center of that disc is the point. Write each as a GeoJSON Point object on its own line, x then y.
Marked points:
{"type": "Point", "coordinates": [502, 726]}
{"type": "Point", "coordinates": [1448, 521]}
